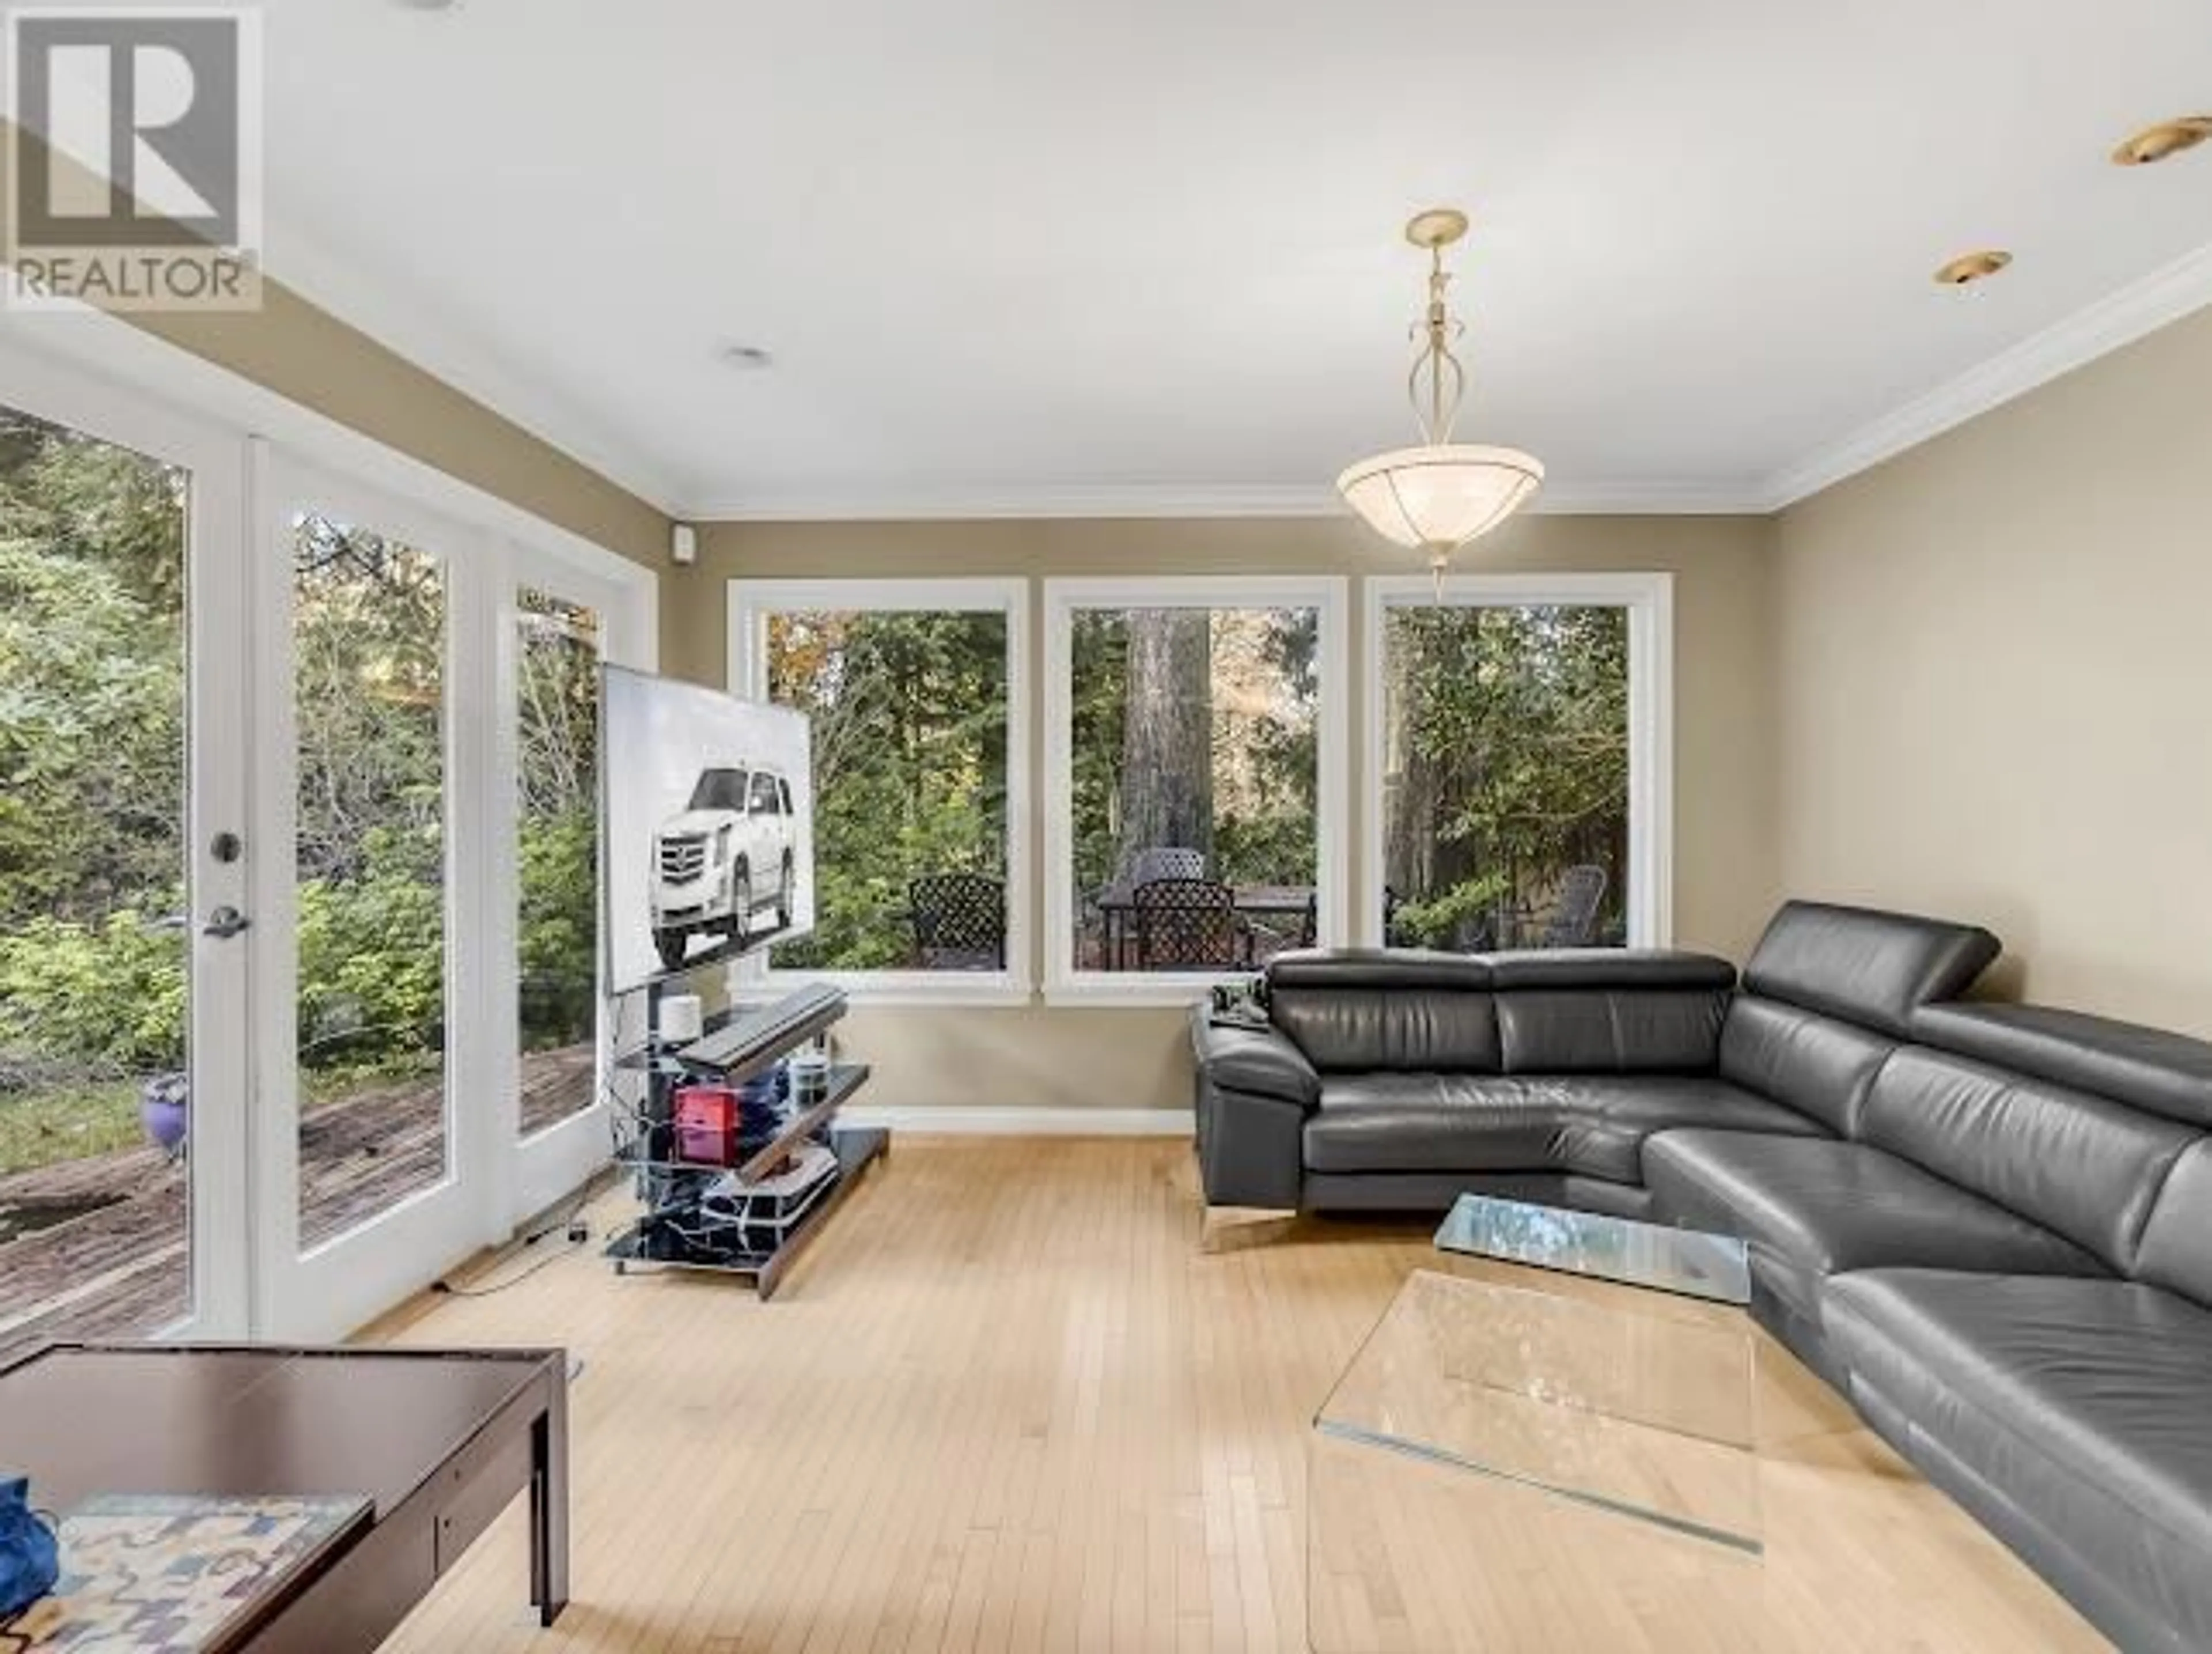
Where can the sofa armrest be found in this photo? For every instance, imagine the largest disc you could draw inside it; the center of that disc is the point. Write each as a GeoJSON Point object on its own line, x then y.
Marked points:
{"type": "Point", "coordinates": [1255, 1061]}
{"type": "Point", "coordinates": [1253, 1091]}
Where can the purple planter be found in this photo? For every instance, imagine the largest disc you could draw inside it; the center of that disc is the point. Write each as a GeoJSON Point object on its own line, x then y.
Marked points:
{"type": "Point", "coordinates": [161, 1102]}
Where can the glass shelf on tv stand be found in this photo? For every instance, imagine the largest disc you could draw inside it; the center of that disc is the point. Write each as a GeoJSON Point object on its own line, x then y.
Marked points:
{"type": "Point", "coordinates": [803, 1125]}
{"type": "Point", "coordinates": [640, 1247]}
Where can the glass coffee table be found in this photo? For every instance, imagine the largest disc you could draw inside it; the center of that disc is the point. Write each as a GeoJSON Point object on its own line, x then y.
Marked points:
{"type": "Point", "coordinates": [1684, 1261]}
{"type": "Point", "coordinates": [1502, 1468]}
{"type": "Point", "coordinates": [1609, 1458]}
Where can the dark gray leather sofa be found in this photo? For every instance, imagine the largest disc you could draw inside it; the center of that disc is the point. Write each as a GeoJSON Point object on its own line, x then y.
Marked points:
{"type": "Point", "coordinates": [1989, 1225]}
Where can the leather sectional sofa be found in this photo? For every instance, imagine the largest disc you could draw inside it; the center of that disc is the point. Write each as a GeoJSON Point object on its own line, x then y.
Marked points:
{"type": "Point", "coordinates": [1989, 1225]}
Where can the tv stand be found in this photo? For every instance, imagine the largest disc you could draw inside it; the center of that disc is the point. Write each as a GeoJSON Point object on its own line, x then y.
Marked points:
{"type": "Point", "coordinates": [746, 1045]}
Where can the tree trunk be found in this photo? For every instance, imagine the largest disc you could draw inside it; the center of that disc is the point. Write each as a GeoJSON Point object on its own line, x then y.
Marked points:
{"type": "Point", "coordinates": [1167, 738]}
{"type": "Point", "coordinates": [1409, 854]}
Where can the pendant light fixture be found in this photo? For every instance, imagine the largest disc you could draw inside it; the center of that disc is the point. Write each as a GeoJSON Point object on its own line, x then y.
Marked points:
{"type": "Point", "coordinates": [1436, 497]}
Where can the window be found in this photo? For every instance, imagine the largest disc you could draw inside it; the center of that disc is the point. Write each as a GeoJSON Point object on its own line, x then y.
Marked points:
{"type": "Point", "coordinates": [764, 797]}
{"type": "Point", "coordinates": [916, 692]}
{"type": "Point", "coordinates": [97, 1043]}
{"type": "Point", "coordinates": [1195, 786]}
{"type": "Point", "coordinates": [1519, 728]}
{"type": "Point", "coordinates": [369, 656]}
{"type": "Point", "coordinates": [556, 684]}
{"type": "Point", "coordinates": [719, 789]}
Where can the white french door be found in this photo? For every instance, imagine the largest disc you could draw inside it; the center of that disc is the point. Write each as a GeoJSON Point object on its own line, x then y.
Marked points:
{"type": "Point", "coordinates": [123, 668]}
{"type": "Point", "coordinates": [299, 905]}
{"type": "Point", "coordinates": [375, 1060]}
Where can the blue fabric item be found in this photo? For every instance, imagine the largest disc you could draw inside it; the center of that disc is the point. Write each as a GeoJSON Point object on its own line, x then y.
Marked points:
{"type": "Point", "coordinates": [30, 1560]}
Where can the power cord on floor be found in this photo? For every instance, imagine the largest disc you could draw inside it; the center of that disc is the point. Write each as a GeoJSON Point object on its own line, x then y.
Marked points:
{"type": "Point", "coordinates": [447, 1289]}
{"type": "Point", "coordinates": [572, 1224]}
{"type": "Point", "coordinates": [576, 1232]}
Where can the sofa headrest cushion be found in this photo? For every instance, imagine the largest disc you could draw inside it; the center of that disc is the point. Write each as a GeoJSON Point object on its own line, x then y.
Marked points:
{"type": "Point", "coordinates": [1610, 967]}
{"type": "Point", "coordinates": [2151, 1069]}
{"type": "Point", "coordinates": [1869, 967]}
{"type": "Point", "coordinates": [1372, 968]}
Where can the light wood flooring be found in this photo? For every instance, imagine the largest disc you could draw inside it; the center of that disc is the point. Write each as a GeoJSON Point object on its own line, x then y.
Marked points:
{"type": "Point", "coordinates": [1007, 1403]}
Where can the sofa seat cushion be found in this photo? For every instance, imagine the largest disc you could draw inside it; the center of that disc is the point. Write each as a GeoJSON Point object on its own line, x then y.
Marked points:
{"type": "Point", "coordinates": [2079, 1402]}
{"type": "Point", "coordinates": [1610, 1119]}
{"type": "Point", "coordinates": [1812, 1207]}
{"type": "Point", "coordinates": [1591, 1124]}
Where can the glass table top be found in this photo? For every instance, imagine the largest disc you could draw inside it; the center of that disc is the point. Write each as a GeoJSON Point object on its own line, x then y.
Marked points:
{"type": "Point", "coordinates": [1640, 1414]}
{"type": "Point", "coordinates": [1594, 1243]}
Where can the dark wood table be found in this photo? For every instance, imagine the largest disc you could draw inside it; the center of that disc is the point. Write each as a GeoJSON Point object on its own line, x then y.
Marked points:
{"type": "Point", "coordinates": [441, 1441]}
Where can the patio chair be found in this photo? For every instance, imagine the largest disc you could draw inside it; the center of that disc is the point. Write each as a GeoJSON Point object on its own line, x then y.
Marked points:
{"type": "Point", "coordinates": [1138, 867]}
{"type": "Point", "coordinates": [1189, 924]}
{"type": "Point", "coordinates": [1573, 919]}
{"type": "Point", "coordinates": [959, 921]}
{"type": "Point", "coordinates": [1268, 939]}
{"type": "Point", "coordinates": [1165, 861]}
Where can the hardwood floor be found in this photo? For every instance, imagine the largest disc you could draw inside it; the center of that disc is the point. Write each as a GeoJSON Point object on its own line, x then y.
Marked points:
{"type": "Point", "coordinates": [1007, 1403]}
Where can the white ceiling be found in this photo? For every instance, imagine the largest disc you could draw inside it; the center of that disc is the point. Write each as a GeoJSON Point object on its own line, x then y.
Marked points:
{"type": "Point", "coordinates": [1060, 254]}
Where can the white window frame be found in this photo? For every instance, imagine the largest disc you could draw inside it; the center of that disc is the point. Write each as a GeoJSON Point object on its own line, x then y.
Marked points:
{"type": "Point", "coordinates": [750, 604]}
{"type": "Point", "coordinates": [1330, 597]}
{"type": "Point", "coordinates": [1649, 600]}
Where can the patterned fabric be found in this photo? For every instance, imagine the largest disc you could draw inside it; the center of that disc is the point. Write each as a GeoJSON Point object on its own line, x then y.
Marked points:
{"type": "Point", "coordinates": [169, 1574]}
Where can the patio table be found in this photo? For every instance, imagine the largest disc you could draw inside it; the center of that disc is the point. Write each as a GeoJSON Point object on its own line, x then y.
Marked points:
{"type": "Point", "coordinates": [1117, 906]}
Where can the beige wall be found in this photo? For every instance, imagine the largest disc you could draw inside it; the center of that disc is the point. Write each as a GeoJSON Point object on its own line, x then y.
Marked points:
{"type": "Point", "coordinates": [292, 348]}
{"type": "Point", "coordinates": [307, 355]}
{"type": "Point", "coordinates": [1996, 681]}
{"type": "Point", "coordinates": [1130, 1058]}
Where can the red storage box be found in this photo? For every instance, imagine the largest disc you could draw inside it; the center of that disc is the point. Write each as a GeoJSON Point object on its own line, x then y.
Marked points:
{"type": "Point", "coordinates": [706, 1120]}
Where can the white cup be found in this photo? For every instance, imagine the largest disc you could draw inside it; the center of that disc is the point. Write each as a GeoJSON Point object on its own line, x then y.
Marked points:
{"type": "Point", "coordinates": [680, 1018]}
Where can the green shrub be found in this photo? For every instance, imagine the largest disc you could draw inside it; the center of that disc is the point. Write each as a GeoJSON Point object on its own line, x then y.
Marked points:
{"type": "Point", "coordinates": [108, 998]}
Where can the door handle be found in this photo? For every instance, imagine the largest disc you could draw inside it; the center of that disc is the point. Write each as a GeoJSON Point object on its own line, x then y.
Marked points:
{"type": "Point", "coordinates": [225, 922]}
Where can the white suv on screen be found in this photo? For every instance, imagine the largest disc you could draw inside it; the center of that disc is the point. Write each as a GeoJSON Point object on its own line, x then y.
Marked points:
{"type": "Point", "coordinates": [729, 854]}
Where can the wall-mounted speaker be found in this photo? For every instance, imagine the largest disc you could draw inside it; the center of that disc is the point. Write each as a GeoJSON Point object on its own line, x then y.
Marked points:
{"type": "Point", "coordinates": [683, 544]}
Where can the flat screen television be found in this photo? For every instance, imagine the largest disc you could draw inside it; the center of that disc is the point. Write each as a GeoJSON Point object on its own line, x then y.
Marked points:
{"type": "Point", "coordinates": [707, 825]}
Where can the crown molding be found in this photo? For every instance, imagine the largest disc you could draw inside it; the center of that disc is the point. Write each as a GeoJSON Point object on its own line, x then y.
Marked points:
{"type": "Point", "coordinates": [423, 338]}
{"type": "Point", "coordinates": [1146, 501]}
{"type": "Point", "coordinates": [415, 333]}
{"type": "Point", "coordinates": [2142, 307]}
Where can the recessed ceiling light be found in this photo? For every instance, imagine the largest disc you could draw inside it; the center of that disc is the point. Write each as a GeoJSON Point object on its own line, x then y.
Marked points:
{"type": "Point", "coordinates": [748, 358]}
{"type": "Point", "coordinates": [1972, 267]}
{"type": "Point", "coordinates": [2164, 140]}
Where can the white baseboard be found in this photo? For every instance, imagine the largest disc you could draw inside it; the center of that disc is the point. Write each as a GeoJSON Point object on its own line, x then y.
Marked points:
{"type": "Point", "coordinates": [964, 1122]}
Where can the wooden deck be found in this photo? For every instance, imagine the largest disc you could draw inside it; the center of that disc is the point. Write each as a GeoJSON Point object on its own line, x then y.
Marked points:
{"type": "Point", "coordinates": [121, 1269]}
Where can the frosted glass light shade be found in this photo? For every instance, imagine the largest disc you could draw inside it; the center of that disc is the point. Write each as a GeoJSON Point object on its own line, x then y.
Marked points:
{"type": "Point", "coordinates": [1436, 497]}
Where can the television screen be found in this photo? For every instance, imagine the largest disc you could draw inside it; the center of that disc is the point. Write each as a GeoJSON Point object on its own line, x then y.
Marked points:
{"type": "Point", "coordinates": [707, 808]}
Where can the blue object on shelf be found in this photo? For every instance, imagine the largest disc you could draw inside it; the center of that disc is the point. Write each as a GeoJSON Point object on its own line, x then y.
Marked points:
{"type": "Point", "coordinates": [30, 1557]}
